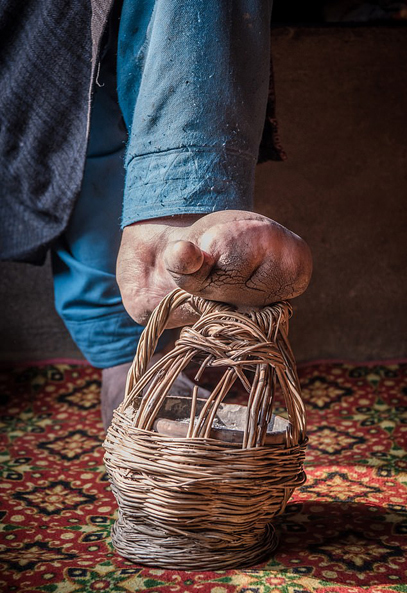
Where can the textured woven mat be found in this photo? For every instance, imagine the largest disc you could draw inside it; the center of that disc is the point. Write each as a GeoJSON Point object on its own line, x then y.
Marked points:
{"type": "Point", "coordinates": [345, 530]}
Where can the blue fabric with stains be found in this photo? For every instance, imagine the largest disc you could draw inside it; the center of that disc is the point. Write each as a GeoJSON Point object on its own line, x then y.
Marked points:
{"type": "Point", "coordinates": [183, 155]}
{"type": "Point", "coordinates": [192, 81]}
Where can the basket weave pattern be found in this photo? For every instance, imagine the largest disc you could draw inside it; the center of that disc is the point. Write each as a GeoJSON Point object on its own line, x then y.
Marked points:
{"type": "Point", "coordinates": [200, 502]}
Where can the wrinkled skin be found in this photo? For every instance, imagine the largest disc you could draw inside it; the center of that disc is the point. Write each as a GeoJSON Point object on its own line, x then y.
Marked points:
{"type": "Point", "coordinates": [237, 257]}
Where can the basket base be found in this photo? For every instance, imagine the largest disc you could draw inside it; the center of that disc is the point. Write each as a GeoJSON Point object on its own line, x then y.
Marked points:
{"type": "Point", "coordinates": [184, 552]}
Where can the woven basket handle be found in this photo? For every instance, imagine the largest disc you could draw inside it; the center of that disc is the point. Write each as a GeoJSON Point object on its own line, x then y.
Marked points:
{"type": "Point", "coordinates": [152, 333]}
{"type": "Point", "coordinates": [156, 326]}
{"type": "Point", "coordinates": [283, 363]}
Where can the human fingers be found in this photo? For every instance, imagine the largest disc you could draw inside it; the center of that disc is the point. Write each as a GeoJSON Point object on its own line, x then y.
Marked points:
{"type": "Point", "coordinates": [188, 265]}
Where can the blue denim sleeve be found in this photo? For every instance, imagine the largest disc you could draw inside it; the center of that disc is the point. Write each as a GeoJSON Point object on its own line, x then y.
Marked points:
{"type": "Point", "coordinates": [192, 82]}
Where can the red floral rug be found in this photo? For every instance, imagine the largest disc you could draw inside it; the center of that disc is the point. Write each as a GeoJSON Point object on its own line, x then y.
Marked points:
{"type": "Point", "coordinates": [344, 531]}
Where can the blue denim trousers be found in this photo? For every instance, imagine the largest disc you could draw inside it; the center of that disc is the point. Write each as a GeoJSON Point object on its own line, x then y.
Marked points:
{"type": "Point", "coordinates": [87, 296]}
{"type": "Point", "coordinates": [176, 123]}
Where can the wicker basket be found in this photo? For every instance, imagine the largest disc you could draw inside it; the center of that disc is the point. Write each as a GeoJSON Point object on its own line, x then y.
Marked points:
{"type": "Point", "coordinates": [202, 500]}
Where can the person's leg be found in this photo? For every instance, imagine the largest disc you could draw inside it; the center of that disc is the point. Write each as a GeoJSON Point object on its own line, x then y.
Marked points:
{"type": "Point", "coordinates": [87, 296]}
{"type": "Point", "coordinates": [84, 258]}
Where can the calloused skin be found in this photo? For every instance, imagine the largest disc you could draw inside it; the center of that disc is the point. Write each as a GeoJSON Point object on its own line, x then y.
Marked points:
{"type": "Point", "coordinates": [233, 256]}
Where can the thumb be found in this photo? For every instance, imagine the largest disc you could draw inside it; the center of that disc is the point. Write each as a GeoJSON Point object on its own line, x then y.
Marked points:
{"type": "Point", "coordinates": [188, 265]}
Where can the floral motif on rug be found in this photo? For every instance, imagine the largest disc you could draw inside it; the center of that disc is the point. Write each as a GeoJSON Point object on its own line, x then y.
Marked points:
{"type": "Point", "coordinates": [344, 531]}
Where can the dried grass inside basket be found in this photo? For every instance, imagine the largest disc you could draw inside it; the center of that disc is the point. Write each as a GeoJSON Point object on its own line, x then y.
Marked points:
{"type": "Point", "coordinates": [198, 502]}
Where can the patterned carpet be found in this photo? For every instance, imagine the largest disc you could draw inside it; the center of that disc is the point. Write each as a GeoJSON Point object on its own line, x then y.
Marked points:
{"type": "Point", "coordinates": [345, 530]}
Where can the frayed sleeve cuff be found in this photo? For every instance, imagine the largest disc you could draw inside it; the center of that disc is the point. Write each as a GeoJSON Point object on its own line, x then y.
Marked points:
{"type": "Point", "coordinates": [189, 180]}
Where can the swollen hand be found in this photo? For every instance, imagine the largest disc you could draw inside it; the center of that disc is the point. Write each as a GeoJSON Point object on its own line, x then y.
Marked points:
{"type": "Point", "coordinates": [236, 257]}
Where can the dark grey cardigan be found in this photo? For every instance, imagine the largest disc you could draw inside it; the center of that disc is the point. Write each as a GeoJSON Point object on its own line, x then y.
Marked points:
{"type": "Point", "coordinates": [48, 59]}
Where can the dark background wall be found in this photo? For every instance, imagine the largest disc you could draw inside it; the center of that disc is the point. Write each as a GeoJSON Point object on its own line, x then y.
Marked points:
{"type": "Point", "coordinates": [342, 108]}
